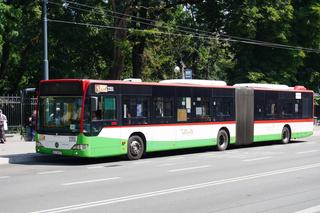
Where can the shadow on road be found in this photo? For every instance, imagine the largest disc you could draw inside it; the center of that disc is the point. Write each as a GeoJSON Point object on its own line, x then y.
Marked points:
{"type": "Point", "coordinates": [54, 160]}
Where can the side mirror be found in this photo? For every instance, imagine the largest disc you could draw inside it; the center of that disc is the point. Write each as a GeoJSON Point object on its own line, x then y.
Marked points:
{"type": "Point", "coordinates": [94, 103]}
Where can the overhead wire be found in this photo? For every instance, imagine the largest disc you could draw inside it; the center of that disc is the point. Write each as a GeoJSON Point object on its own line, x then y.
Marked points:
{"type": "Point", "coordinates": [191, 31]}
{"type": "Point", "coordinates": [234, 38]}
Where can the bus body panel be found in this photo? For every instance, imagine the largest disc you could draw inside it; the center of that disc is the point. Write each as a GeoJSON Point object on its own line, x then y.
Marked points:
{"type": "Point", "coordinates": [274, 130]}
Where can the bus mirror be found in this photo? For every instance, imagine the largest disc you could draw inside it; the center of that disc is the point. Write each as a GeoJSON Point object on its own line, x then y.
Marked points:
{"type": "Point", "coordinates": [94, 103]}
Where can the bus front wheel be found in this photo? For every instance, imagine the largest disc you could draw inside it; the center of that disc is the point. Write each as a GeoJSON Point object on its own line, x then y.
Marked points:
{"type": "Point", "coordinates": [222, 140]}
{"type": "Point", "coordinates": [135, 148]}
{"type": "Point", "coordinates": [285, 135]}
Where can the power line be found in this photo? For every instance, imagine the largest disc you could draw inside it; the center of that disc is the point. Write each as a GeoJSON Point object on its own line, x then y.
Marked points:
{"type": "Point", "coordinates": [167, 33]}
{"type": "Point", "coordinates": [206, 32]}
{"type": "Point", "coordinates": [127, 19]}
{"type": "Point", "coordinates": [208, 35]}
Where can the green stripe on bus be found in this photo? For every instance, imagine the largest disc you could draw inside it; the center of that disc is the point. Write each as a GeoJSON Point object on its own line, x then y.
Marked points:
{"type": "Point", "coordinates": [261, 138]}
{"type": "Point", "coordinates": [168, 145]}
{"type": "Point", "coordinates": [273, 137]}
{"type": "Point", "coordinates": [301, 134]}
{"type": "Point", "coordinates": [101, 146]}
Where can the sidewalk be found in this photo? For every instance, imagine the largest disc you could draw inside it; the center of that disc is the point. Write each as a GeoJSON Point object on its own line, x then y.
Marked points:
{"type": "Point", "coordinates": [16, 150]}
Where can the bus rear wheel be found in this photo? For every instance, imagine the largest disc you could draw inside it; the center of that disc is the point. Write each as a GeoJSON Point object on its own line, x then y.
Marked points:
{"type": "Point", "coordinates": [135, 148]}
{"type": "Point", "coordinates": [285, 135]}
{"type": "Point", "coordinates": [222, 140]}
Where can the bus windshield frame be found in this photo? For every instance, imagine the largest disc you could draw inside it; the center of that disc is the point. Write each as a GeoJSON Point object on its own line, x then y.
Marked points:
{"type": "Point", "coordinates": [60, 114]}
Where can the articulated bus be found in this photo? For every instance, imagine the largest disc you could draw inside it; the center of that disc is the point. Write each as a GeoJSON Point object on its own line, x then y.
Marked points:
{"type": "Point", "coordinates": [97, 118]}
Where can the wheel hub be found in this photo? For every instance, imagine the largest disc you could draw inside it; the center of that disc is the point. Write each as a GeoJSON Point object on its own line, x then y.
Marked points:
{"type": "Point", "coordinates": [135, 147]}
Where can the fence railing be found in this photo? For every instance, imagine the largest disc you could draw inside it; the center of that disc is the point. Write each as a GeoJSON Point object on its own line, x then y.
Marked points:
{"type": "Point", "coordinates": [18, 109]}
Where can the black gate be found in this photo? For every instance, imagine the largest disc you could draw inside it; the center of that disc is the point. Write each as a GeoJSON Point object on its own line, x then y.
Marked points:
{"type": "Point", "coordinates": [18, 108]}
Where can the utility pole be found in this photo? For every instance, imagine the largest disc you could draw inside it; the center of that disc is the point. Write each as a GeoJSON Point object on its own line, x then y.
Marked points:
{"type": "Point", "coordinates": [45, 41]}
{"type": "Point", "coordinates": [183, 66]}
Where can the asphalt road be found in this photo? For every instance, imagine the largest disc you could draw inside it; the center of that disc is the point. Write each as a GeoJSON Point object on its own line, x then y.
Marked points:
{"type": "Point", "coordinates": [262, 178]}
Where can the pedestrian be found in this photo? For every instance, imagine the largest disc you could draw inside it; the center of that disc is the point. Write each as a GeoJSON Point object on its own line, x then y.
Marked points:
{"type": "Point", "coordinates": [32, 121]}
{"type": "Point", "coordinates": [3, 127]}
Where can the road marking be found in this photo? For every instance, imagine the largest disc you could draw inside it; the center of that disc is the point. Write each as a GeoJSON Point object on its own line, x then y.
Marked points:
{"type": "Point", "coordinates": [89, 181]}
{"type": "Point", "coordinates": [50, 172]}
{"type": "Point", "coordinates": [177, 189]}
{"type": "Point", "coordinates": [310, 210]}
{"type": "Point", "coordinates": [189, 168]}
{"type": "Point", "coordinates": [256, 159]}
{"type": "Point", "coordinates": [95, 167]}
{"type": "Point", "coordinates": [309, 151]}
{"type": "Point", "coordinates": [3, 177]}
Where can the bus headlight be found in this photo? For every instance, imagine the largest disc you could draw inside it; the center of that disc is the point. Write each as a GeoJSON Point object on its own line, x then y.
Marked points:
{"type": "Point", "coordinates": [80, 146]}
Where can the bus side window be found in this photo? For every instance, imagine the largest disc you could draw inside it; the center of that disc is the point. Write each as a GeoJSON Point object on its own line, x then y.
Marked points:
{"type": "Point", "coordinates": [135, 110]}
{"type": "Point", "coordinates": [162, 110]}
{"type": "Point", "coordinates": [223, 109]}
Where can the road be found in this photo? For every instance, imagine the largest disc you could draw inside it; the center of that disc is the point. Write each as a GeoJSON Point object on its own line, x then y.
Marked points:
{"type": "Point", "coordinates": [261, 178]}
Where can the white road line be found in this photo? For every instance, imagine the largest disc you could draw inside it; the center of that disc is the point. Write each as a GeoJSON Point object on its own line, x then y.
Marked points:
{"type": "Point", "coordinates": [256, 159]}
{"type": "Point", "coordinates": [50, 172]}
{"type": "Point", "coordinates": [177, 189]}
{"type": "Point", "coordinates": [89, 181]}
{"type": "Point", "coordinates": [309, 151]}
{"type": "Point", "coordinates": [3, 177]}
{"type": "Point", "coordinates": [189, 168]}
{"type": "Point", "coordinates": [310, 210]}
{"type": "Point", "coordinates": [95, 167]}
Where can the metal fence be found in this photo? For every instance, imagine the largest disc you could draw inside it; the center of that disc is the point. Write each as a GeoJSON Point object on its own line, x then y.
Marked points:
{"type": "Point", "coordinates": [18, 109]}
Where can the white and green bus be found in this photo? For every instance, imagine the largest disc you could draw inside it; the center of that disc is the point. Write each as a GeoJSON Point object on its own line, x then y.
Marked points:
{"type": "Point", "coordinates": [97, 118]}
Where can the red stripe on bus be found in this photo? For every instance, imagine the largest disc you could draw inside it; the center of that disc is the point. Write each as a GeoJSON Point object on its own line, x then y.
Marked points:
{"type": "Point", "coordinates": [284, 121]}
{"type": "Point", "coordinates": [175, 124]}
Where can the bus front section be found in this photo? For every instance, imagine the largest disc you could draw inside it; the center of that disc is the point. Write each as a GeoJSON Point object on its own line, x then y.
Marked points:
{"type": "Point", "coordinates": [59, 124]}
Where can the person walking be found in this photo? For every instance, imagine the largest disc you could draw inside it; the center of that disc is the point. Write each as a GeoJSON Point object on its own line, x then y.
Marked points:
{"type": "Point", "coordinates": [3, 127]}
{"type": "Point", "coordinates": [33, 122]}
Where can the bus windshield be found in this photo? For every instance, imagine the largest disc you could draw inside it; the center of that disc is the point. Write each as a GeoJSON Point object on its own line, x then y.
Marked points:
{"type": "Point", "coordinates": [59, 114]}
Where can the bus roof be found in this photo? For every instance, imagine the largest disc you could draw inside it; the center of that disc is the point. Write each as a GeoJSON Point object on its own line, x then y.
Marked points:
{"type": "Point", "coordinates": [188, 83]}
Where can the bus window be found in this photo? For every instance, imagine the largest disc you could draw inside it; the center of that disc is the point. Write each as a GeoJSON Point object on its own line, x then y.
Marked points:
{"type": "Point", "coordinates": [223, 109]}
{"type": "Point", "coordinates": [201, 108]}
{"type": "Point", "coordinates": [272, 105]}
{"type": "Point", "coordinates": [163, 109]}
{"type": "Point", "coordinates": [106, 108]}
{"type": "Point", "coordinates": [183, 109]}
{"type": "Point", "coordinates": [135, 110]}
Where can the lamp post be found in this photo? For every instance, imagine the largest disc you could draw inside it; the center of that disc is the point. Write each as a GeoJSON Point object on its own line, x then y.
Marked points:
{"type": "Point", "coordinates": [45, 40]}
{"type": "Point", "coordinates": [183, 66]}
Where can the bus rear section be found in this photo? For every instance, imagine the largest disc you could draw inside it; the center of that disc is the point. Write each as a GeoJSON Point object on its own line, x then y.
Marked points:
{"type": "Point", "coordinates": [271, 113]}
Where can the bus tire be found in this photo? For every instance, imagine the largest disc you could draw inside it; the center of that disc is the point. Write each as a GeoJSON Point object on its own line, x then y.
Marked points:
{"type": "Point", "coordinates": [135, 147]}
{"type": "Point", "coordinates": [285, 135]}
{"type": "Point", "coordinates": [222, 140]}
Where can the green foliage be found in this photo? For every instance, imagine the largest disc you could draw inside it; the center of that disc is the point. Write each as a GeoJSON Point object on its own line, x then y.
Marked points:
{"type": "Point", "coordinates": [77, 51]}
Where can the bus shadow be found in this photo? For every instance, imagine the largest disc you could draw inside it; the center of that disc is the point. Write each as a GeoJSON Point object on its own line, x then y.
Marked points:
{"type": "Point", "coordinates": [56, 160]}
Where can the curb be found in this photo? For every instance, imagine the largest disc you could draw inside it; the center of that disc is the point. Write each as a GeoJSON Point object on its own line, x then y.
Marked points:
{"type": "Point", "coordinates": [18, 158]}
{"type": "Point", "coordinates": [4, 160]}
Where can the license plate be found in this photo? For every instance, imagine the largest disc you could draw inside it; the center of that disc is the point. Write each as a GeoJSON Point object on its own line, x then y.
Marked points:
{"type": "Point", "coordinates": [55, 152]}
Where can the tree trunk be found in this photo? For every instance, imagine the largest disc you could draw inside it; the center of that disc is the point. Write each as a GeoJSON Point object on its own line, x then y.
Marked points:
{"type": "Point", "coordinates": [139, 43]}
{"type": "Point", "coordinates": [119, 36]}
{"type": "Point", "coordinates": [138, 57]}
{"type": "Point", "coordinates": [5, 55]}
